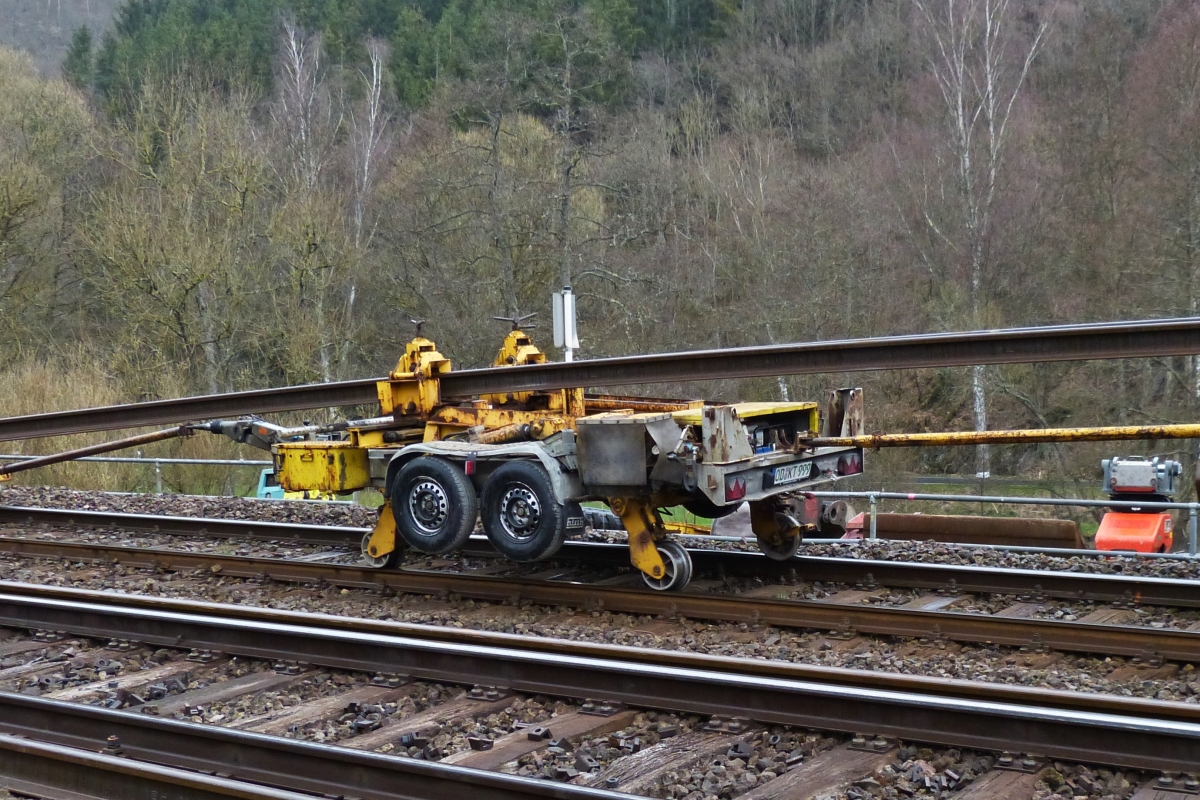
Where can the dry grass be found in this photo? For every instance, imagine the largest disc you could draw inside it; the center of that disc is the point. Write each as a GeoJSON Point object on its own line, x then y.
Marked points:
{"type": "Point", "coordinates": [33, 386]}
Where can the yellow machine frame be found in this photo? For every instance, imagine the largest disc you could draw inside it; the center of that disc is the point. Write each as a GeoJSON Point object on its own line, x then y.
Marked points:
{"type": "Point", "coordinates": [411, 396]}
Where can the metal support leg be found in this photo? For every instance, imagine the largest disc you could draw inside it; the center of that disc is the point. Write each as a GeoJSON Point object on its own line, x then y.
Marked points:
{"type": "Point", "coordinates": [158, 477]}
{"type": "Point", "coordinates": [874, 514]}
{"type": "Point", "coordinates": [1192, 508]}
{"type": "Point", "coordinates": [644, 526]}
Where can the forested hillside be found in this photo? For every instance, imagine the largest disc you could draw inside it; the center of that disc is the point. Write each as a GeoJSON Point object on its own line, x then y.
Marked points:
{"type": "Point", "coordinates": [43, 28]}
{"type": "Point", "coordinates": [225, 194]}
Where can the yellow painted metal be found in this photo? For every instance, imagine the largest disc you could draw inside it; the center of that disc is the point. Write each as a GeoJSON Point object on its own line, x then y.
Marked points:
{"type": "Point", "coordinates": [412, 388]}
{"type": "Point", "coordinates": [1027, 436]}
{"type": "Point", "coordinates": [537, 429]}
{"type": "Point", "coordinates": [323, 466]}
{"type": "Point", "coordinates": [645, 527]}
{"type": "Point", "coordinates": [770, 524]}
{"type": "Point", "coordinates": [694, 415]}
{"type": "Point", "coordinates": [375, 438]}
{"type": "Point", "coordinates": [616, 402]}
{"type": "Point", "coordinates": [687, 528]}
{"type": "Point", "coordinates": [383, 535]}
{"type": "Point", "coordinates": [518, 350]}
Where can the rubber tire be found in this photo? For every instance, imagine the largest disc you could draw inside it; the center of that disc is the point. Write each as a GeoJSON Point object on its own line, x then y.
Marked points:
{"type": "Point", "coordinates": [703, 507]}
{"type": "Point", "coordinates": [551, 529]}
{"type": "Point", "coordinates": [462, 506]}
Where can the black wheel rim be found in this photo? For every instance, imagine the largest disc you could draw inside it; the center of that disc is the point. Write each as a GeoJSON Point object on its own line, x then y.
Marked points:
{"type": "Point", "coordinates": [428, 506]}
{"type": "Point", "coordinates": [520, 512]}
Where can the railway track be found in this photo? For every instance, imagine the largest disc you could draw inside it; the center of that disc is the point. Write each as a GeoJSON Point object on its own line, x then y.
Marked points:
{"type": "Point", "coordinates": [794, 734]}
{"type": "Point", "coordinates": [738, 563]}
{"type": "Point", "coordinates": [932, 614]}
{"type": "Point", "coordinates": [844, 618]}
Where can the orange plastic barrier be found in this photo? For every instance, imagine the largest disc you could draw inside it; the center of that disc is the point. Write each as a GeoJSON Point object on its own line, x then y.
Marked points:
{"type": "Point", "coordinates": [1141, 533]}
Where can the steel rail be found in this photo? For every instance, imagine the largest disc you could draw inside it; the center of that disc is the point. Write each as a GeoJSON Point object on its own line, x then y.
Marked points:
{"type": "Point", "coordinates": [846, 619]}
{"type": "Point", "coordinates": [1175, 592]}
{"type": "Point", "coordinates": [182, 526]}
{"type": "Point", "coordinates": [39, 769]}
{"type": "Point", "coordinates": [1091, 737]}
{"type": "Point", "coordinates": [853, 678]}
{"type": "Point", "coordinates": [1165, 337]}
{"type": "Point", "coordinates": [60, 733]}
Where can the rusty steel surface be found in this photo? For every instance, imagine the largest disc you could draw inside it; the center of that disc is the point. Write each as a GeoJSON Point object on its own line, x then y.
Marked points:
{"type": "Point", "coordinates": [1134, 741]}
{"type": "Point", "coordinates": [1182, 645]}
{"type": "Point", "coordinates": [1163, 337]}
{"type": "Point", "coordinates": [290, 764]}
{"type": "Point", "coordinates": [1008, 531]}
{"type": "Point", "coordinates": [920, 351]}
{"type": "Point", "coordinates": [1049, 583]}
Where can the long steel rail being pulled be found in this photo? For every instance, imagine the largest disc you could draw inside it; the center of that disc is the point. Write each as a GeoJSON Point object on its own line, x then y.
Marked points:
{"type": "Point", "coordinates": [1089, 736]}
{"type": "Point", "coordinates": [1167, 337]}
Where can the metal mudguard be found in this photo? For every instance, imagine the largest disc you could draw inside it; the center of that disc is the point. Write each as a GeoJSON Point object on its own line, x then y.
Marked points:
{"type": "Point", "coordinates": [556, 454]}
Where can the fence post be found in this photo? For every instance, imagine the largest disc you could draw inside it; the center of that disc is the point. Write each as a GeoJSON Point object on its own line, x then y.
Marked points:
{"type": "Point", "coordinates": [157, 476]}
{"type": "Point", "coordinates": [874, 514]}
{"type": "Point", "coordinates": [1192, 507]}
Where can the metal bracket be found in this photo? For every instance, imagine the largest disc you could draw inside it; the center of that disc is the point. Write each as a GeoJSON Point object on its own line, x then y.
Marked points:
{"type": "Point", "coordinates": [1026, 763]}
{"type": "Point", "coordinates": [871, 744]}
{"type": "Point", "coordinates": [719, 723]}
{"type": "Point", "coordinates": [488, 692]}
{"type": "Point", "coordinates": [390, 679]}
{"type": "Point", "coordinates": [600, 708]}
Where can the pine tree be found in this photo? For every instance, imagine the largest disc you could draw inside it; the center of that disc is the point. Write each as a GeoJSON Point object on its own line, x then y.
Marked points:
{"type": "Point", "coordinates": [77, 66]}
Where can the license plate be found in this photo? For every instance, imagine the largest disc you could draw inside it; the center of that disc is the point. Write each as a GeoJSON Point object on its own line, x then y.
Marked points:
{"type": "Point", "coordinates": [790, 473]}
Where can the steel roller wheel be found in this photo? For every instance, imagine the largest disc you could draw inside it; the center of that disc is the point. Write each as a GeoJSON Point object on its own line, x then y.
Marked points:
{"type": "Point", "coordinates": [678, 566]}
{"type": "Point", "coordinates": [779, 552]}
{"type": "Point", "coordinates": [434, 504]}
{"type": "Point", "coordinates": [391, 559]}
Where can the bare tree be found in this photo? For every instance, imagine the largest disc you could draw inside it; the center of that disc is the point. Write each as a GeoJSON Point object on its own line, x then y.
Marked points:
{"type": "Point", "coordinates": [304, 112]}
{"type": "Point", "coordinates": [973, 48]}
{"type": "Point", "coordinates": [368, 125]}
{"type": "Point", "coordinates": [368, 128]}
